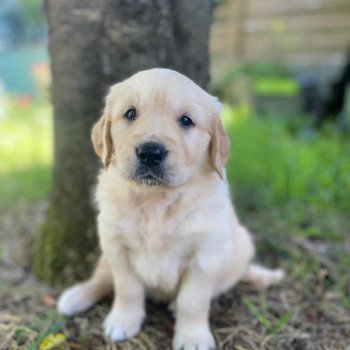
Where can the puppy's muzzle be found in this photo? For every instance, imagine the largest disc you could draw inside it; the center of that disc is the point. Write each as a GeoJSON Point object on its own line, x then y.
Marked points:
{"type": "Point", "coordinates": [151, 154]}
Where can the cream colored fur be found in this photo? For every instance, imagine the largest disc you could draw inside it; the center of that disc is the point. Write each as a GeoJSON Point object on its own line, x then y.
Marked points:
{"type": "Point", "coordinates": [180, 242]}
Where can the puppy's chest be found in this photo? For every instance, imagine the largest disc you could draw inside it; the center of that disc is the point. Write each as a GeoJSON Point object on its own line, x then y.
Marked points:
{"type": "Point", "coordinates": [151, 228]}
{"type": "Point", "coordinates": [160, 270]}
{"type": "Point", "coordinates": [156, 246]}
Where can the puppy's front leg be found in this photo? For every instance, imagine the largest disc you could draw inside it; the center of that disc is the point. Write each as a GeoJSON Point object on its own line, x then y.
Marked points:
{"type": "Point", "coordinates": [125, 318]}
{"type": "Point", "coordinates": [192, 329]}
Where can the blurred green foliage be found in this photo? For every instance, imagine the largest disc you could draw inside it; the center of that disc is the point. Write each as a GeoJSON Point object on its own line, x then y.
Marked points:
{"type": "Point", "coordinates": [25, 151]}
{"type": "Point", "coordinates": [267, 77]}
{"type": "Point", "coordinates": [265, 86]}
{"type": "Point", "coordinates": [276, 86]}
{"type": "Point", "coordinates": [282, 164]}
{"type": "Point", "coordinates": [259, 69]}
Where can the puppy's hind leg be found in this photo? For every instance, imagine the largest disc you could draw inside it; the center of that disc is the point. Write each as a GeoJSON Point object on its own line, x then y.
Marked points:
{"type": "Point", "coordinates": [262, 277]}
{"type": "Point", "coordinates": [82, 296]}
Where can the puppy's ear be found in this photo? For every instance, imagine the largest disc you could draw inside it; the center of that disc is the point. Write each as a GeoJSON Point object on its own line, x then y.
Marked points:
{"type": "Point", "coordinates": [101, 137]}
{"type": "Point", "coordinates": [220, 143]}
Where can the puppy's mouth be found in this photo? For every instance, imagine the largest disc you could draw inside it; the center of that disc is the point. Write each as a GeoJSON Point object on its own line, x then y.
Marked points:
{"type": "Point", "coordinates": [155, 176]}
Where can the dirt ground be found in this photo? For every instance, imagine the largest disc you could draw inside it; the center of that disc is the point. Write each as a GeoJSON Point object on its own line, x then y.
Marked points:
{"type": "Point", "coordinates": [309, 310]}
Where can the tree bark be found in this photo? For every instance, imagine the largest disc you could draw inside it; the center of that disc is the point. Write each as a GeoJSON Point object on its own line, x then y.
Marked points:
{"type": "Point", "coordinates": [94, 44]}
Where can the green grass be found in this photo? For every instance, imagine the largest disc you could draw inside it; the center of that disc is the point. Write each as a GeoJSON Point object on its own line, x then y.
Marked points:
{"type": "Point", "coordinates": [263, 316]}
{"type": "Point", "coordinates": [299, 174]}
{"type": "Point", "coordinates": [25, 152]}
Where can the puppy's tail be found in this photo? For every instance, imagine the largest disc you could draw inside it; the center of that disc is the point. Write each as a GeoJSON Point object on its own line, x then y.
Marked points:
{"type": "Point", "coordinates": [262, 277]}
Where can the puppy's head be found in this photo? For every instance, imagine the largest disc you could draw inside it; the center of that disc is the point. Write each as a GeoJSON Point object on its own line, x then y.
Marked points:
{"type": "Point", "coordinates": [160, 128]}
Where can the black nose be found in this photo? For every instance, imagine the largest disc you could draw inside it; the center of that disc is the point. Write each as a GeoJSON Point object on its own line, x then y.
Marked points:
{"type": "Point", "coordinates": [151, 153]}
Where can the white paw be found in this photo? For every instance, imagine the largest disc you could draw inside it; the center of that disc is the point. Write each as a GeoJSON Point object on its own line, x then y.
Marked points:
{"type": "Point", "coordinates": [197, 340]}
{"type": "Point", "coordinates": [121, 327]}
{"type": "Point", "coordinates": [75, 300]}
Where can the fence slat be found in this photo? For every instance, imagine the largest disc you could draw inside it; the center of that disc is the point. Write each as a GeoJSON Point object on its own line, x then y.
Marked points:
{"type": "Point", "coordinates": [298, 23]}
{"type": "Point", "coordinates": [259, 8]}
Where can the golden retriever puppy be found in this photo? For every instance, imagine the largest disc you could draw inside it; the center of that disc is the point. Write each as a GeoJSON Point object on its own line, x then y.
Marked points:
{"type": "Point", "coordinates": [166, 225]}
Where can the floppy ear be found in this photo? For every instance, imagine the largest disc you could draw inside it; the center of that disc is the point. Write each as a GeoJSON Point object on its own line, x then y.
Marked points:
{"type": "Point", "coordinates": [101, 137]}
{"type": "Point", "coordinates": [220, 146]}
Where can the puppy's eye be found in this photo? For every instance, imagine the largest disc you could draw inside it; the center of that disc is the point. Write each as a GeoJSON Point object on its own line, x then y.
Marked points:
{"type": "Point", "coordinates": [186, 122]}
{"type": "Point", "coordinates": [131, 114]}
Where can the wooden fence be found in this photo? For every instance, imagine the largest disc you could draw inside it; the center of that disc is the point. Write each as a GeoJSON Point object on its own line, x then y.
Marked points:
{"type": "Point", "coordinates": [306, 34]}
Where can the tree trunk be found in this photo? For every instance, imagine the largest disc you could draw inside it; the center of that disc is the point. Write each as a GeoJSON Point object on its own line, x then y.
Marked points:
{"type": "Point", "coordinates": [94, 44]}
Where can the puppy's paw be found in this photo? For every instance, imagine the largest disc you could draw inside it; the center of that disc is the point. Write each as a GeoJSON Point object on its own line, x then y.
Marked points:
{"type": "Point", "coordinates": [119, 327]}
{"type": "Point", "coordinates": [192, 339]}
{"type": "Point", "coordinates": [76, 299]}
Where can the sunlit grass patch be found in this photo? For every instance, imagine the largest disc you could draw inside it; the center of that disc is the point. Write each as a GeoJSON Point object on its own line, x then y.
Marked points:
{"type": "Point", "coordinates": [25, 151]}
